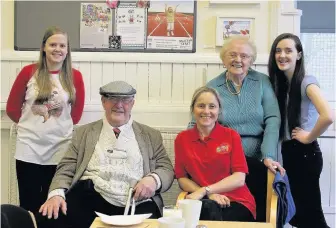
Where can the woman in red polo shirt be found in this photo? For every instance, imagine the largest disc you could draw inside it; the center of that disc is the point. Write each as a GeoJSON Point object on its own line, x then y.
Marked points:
{"type": "Point", "coordinates": [210, 163]}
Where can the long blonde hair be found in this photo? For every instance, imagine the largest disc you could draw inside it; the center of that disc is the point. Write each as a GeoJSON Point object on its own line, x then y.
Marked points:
{"type": "Point", "coordinates": [42, 77]}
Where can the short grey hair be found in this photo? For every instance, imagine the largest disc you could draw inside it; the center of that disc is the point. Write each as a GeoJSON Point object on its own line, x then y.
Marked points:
{"type": "Point", "coordinates": [241, 39]}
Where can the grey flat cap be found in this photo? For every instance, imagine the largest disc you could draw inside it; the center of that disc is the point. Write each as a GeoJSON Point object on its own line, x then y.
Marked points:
{"type": "Point", "coordinates": [117, 88]}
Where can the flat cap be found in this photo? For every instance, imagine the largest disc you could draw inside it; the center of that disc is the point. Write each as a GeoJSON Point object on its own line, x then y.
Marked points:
{"type": "Point", "coordinates": [117, 88]}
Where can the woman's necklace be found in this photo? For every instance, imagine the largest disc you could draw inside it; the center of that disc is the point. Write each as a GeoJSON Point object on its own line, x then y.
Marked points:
{"type": "Point", "coordinates": [228, 87]}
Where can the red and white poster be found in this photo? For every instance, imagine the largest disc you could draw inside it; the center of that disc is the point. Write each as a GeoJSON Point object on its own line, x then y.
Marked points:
{"type": "Point", "coordinates": [170, 25]}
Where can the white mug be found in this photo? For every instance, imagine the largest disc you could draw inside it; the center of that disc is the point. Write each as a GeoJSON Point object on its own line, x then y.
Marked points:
{"type": "Point", "coordinates": [191, 211]}
{"type": "Point", "coordinates": [172, 211]}
{"type": "Point", "coordinates": [171, 222]}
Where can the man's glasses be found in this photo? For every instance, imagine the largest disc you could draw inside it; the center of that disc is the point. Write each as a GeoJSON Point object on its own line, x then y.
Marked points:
{"type": "Point", "coordinates": [234, 55]}
{"type": "Point", "coordinates": [124, 100]}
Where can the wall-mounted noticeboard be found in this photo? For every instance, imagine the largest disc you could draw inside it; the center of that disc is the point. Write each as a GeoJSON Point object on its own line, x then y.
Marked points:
{"type": "Point", "coordinates": [109, 26]}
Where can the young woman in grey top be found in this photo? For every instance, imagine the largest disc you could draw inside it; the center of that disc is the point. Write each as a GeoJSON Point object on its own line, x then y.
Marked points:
{"type": "Point", "coordinates": [305, 115]}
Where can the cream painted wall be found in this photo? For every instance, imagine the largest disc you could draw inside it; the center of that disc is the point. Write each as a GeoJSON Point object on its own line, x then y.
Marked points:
{"type": "Point", "coordinates": [7, 41]}
{"type": "Point", "coordinates": [4, 165]}
{"type": "Point", "coordinates": [206, 23]}
{"type": "Point", "coordinates": [7, 24]}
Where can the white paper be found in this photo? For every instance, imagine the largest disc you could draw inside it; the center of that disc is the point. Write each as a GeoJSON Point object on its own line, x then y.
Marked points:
{"type": "Point", "coordinates": [95, 26]}
{"type": "Point", "coordinates": [130, 25]}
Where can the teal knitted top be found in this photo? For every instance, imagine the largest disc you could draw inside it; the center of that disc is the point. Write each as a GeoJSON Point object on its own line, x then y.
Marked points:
{"type": "Point", "coordinates": [254, 113]}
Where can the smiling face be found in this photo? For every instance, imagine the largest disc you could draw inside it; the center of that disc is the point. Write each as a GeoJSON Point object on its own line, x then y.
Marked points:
{"type": "Point", "coordinates": [56, 50]}
{"type": "Point", "coordinates": [238, 58]}
{"type": "Point", "coordinates": [286, 56]}
{"type": "Point", "coordinates": [117, 109]}
{"type": "Point", "coordinates": [206, 110]}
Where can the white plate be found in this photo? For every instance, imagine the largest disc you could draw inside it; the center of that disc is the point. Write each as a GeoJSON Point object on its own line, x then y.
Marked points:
{"type": "Point", "coordinates": [123, 220]}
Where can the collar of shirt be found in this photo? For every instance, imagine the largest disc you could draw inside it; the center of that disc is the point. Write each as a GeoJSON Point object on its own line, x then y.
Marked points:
{"type": "Point", "coordinates": [123, 128]}
{"type": "Point", "coordinates": [214, 134]}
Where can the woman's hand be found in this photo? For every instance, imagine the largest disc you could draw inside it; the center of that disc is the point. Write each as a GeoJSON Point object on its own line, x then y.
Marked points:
{"type": "Point", "coordinates": [301, 135]}
{"type": "Point", "coordinates": [222, 200]}
{"type": "Point", "coordinates": [199, 194]}
{"type": "Point", "coordinates": [272, 165]}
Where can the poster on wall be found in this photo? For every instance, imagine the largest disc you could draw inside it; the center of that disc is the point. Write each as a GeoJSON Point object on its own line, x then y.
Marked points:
{"type": "Point", "coordinates": [171, 25]}
{"type": "Point", "coordinates": [95, 25]}
{"type": "Point", "coordinates": [229, 27]}
{"type": "Point", "coordinates": [130, 25]}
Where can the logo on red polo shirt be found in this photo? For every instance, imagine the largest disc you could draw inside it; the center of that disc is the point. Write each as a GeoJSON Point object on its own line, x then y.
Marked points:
{"type": "Point", "coordinates": [223, 148]}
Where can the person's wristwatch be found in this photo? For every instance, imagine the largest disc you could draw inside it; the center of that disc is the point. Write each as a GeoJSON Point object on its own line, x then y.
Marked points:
{"type": "Point", "coordinates": [207, 190]}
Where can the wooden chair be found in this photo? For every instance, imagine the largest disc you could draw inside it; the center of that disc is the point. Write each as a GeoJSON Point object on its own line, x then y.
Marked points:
{"type": "Point", "coordinates": [271, 202]}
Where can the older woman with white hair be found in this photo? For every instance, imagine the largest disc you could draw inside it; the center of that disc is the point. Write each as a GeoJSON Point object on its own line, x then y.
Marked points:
{"type": "Point", "coordinates": [250, 107]}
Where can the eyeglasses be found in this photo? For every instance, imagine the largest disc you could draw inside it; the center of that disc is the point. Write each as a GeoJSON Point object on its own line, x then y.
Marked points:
{"type": "Point", "coordinates": [124, 100]}
{"type": "Point", "coordinates": [234, 55]}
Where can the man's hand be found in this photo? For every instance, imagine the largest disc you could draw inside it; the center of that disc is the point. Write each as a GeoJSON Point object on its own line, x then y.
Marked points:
{"type": "Point", "coordinates": [222, 200]}
{"type": "Point", "coordinates": [199, 194]}
{"type": "Point", "coordinates": [272, 165]}
{"type": "Point", "coordinates": [145, 188]}
{"type": "Point", "coordinates": [52, 205]}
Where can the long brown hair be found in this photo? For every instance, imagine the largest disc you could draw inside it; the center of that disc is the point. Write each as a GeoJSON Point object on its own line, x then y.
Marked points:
{"type": "Point", "coordinates": [42, 76]}
{"type": "Point", "coordinates": [290, 107]}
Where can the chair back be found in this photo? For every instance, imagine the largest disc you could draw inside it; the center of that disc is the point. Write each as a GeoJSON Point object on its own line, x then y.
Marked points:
{"type": "Point", "coordinates": [15, 217]}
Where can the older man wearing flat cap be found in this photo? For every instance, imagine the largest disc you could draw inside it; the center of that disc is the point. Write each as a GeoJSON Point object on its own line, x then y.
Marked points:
{"type": "Point", "coordinates": [106, 160]}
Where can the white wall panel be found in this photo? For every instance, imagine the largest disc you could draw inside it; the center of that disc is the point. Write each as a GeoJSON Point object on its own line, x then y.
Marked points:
{"type": "Point", "coordinates": [332, 202]}
{"type": "Point", "coordinates": [188, 82]}
{"type": "Point", "coordinates": [200, 75]}
{"type": "Point", "coordinates": [213, 71]}
{"type": "Point", "coordinates": [131, 74]}
{"type": "Point", "coordinates": [177, 86]}
{"type": "Point", "coordinates": [5, 80]}
{"type": "Point", "coordinates": [154, 77]}
{"type": "Point", "coordinates": [96, 81]}
{"type": "Point", "coordinates": [119, 71]}
{"type": "Point", "coordinates": [166, 82]}
{"type": "Point", "coordinates": [262, 69]}
{"type": "Point", "coordinates": [107, 72]}
{"type": "Point", "coordinates": [142, 82]}
{"type": "Point", "coordinates": [85, 69]}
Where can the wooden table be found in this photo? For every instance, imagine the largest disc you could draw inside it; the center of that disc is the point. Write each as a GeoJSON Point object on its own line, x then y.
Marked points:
{"type": "Point", "coordinates": [153, 223]}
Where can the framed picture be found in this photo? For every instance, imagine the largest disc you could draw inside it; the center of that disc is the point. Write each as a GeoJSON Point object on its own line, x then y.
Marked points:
{"type": "Point", "coordinates": [172, 25]}
{"type": "Point", "coordinates": [227, 27]}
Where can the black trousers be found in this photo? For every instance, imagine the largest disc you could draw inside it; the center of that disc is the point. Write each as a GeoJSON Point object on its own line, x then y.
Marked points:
{"type": "Point", "coordinates": [82, 202]}
{"type": "Point", "coordinates": [256, 181]}
{"type": "Point", "coordinates": [211, 210]}
{"type": "Point", "coordinates": [33, 181]}
{"type": "Point", "coordinates": [303, 164]}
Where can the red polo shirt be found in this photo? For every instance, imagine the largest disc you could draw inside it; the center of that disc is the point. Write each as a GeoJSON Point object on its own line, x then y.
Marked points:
{"type": "Point", "coordinates": [213, 159]}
